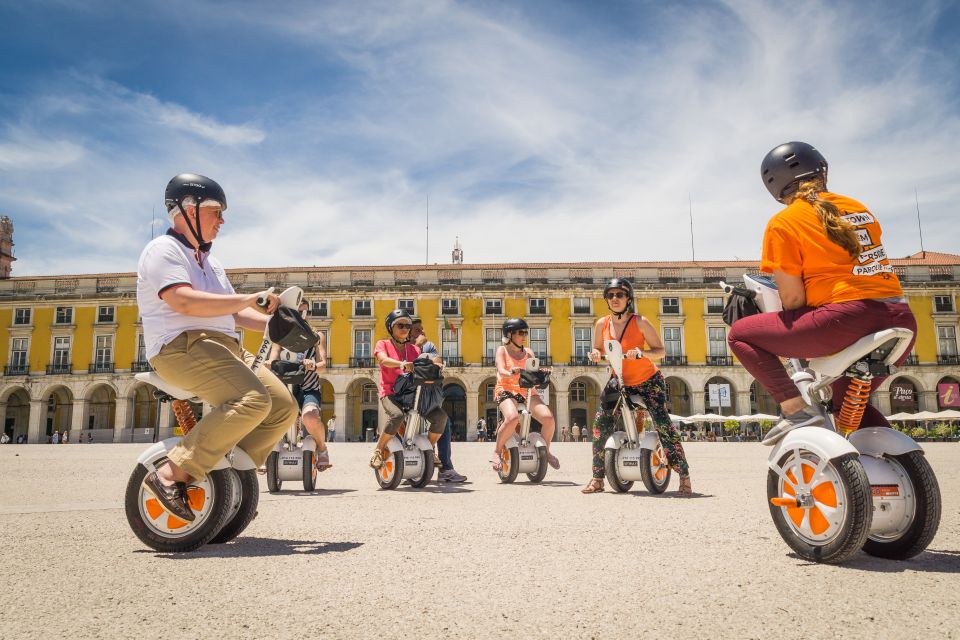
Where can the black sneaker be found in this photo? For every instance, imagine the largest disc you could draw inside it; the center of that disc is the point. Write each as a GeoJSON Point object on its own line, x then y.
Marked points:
{"type": "Point", "coordinates": [172, 498]}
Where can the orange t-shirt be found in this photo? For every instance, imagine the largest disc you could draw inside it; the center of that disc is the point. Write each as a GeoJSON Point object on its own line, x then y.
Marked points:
{"type": "Point", "coordinates": [634, 371]}
{"type": "Point", "coordinates": [512, 383]}
{"type": "Point", "coordinates": [795, 243]}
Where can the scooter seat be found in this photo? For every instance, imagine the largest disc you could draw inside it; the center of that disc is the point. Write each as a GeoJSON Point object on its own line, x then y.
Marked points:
{"type": "Point", "coordinates": [892, 343]}
{"type": "Point", "coordinates": [152, 378]}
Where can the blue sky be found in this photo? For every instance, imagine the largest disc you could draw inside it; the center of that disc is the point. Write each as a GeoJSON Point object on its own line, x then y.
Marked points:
{"type": "Point", "coordinates": [539, 130]}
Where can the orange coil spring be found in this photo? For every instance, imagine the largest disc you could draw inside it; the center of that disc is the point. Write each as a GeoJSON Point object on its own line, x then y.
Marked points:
{"type": "Point", "coordinates": [854, 404]}
{"type": "Point", "coordinates": [186, 419]}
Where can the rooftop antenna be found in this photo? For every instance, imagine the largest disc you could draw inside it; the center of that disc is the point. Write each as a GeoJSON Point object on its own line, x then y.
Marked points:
{"type": "Point", "coordinates": [916, 199]}
{"type": "Point", "coordinates": [693, 252]}
{"type": "Point", "coordinates": [457, 254]}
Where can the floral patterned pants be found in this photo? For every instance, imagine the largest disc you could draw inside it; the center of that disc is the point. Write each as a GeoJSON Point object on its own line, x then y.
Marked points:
{"type": "Point", "coordinates": [654, 395]}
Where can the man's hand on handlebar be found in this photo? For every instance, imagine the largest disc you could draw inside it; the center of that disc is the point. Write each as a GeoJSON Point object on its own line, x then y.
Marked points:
{"type": "Point", "coordinates": [266, 302]}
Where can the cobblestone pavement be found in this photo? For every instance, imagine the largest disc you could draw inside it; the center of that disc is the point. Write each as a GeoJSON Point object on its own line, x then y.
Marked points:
{"type": "Point", "coordinates": [466, 561]}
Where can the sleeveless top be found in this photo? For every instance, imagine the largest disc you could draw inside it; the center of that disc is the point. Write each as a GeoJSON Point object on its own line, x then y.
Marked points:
{"type": "Point", "coordinates": [634, 371]}
{"type": "Point", "coordinates": [511, 384]}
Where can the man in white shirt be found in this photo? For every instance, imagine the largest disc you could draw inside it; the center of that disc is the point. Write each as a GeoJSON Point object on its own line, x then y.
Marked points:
{"type": "Point", "coordinates": [332, 428]}
{"type": "Point", "coordinates": [190, 315]}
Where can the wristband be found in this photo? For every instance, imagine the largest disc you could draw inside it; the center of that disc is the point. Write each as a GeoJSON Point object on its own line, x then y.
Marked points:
{"type": "Point", "coordinates": [403, 365]}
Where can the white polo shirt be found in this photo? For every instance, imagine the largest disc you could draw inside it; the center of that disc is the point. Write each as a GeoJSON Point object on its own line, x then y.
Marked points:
{"type": "Point", "coordinates": [167, 262]}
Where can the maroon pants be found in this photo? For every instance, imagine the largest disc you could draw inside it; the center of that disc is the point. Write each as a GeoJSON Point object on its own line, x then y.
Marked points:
{"type": "Point", "coordinates": [813, 333]}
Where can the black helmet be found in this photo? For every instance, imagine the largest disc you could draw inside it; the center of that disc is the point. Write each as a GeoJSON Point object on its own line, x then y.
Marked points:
{"type": "Point", "coordinates": [513, 324]}
{"type": "Point", "coordinates": [620, 283]}
{"type": "Point", "coordinates": [789, 163]}
{"type": "Point", "coordinates": [201, 188]}
{"type": "Point", "coordinates": [392, 318]}
{"type": "Point", "coordinates": [191, 184]}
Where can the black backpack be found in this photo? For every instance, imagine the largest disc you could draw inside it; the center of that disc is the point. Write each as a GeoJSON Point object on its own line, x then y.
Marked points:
{"type": "Point", "coordinates": [288, 329]}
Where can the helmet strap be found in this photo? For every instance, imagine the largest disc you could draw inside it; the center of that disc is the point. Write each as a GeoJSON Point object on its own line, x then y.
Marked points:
{"type": "Point", "coordinates": [197, 234]}
{"type": "Point", "coordinates": [518, 346]}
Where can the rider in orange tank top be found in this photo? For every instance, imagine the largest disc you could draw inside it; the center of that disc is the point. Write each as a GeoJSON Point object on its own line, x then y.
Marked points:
{"type": "Point", "coordinates": [641, 346]}
{"type": "Point", "coordinates": [511, 358]}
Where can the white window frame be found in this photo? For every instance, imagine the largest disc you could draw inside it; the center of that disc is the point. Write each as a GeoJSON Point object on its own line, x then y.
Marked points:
{"type": "Point", "coordinates": [710, 342]}
{"type": "Point", "coordinates": [576, 343]}
{"type": "Point", "coordinates": [410, 308]}
{"type": "Point", "coordinates": [538, 312]}
{"type": "Point", "coordinates": [942, 328]}
{"type": "Point", "coordinates": [450, 306]}
{"type": "Point", "coordinates": [546, 341]}
{"type": "Point", "coordinates": [141, 350]}
{"type": "Point", "coordinates": [25, 351]}
{"type": "Point", "coordinates": [664, 305]}
{"type": "Point", "coordinates": [315, 307]}
{"type": "Point", "coordinates": [368, 394]}
{"type": "Point", "coordinates": [449, 343]}
{"type": "Point", "coordinates": [950, 308]}
{"type": "Point", "coordinates": [706, 305]}
{"type": "Point", "coordinates": [99, 352]}
{"type": "Point", "coordinates": [56, 316]}
{"type": "Point", "coordinates": [492, 339]}
{"type": "Point", "coordinates": [360, 305]}
{"type": "Point", "coordinates": [368, 342]}
{"type": "Point", "coordinates": [488, 302]}
{"type": "Point", "coordinates": [663, 337]}
{"type": "Point", "coordinates": [18, 316]}
{"type": "Point", "coordinates": [573, 306]}
{"type": "Point", "coordinates": [113, 314]}
{"type": "Point", "coordinates": [54, 350]}
{"type": "Point", "coordinates": [578, 391]}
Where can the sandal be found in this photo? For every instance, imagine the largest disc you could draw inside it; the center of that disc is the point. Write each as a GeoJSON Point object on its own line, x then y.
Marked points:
{"type": "Point", "coordinates": [262, 470]}
{"type": "Point", "coordinates": [496, 462]}
{"type": "Point", "coordinates": [685, 488]}
{"type": "Point", "coordinates": [376, 462]}
{"type": "Point", "coordinates": [594, 486]}
{"type": "Point", "coordinates": [322, 461]}
{"type": "Point", "coordinates": [552, 461]}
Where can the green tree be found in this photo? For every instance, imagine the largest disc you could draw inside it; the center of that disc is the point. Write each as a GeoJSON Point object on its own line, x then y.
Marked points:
{"type": "Point", "coordinates": [918, 432]}
{"type": "Point", "coordinates": [731, 427]}
{"type": "Point", "coordinates": [765, 426]}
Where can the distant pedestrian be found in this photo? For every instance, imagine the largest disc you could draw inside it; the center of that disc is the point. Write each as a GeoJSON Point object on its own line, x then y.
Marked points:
{"type": "Point", "coordinates": [4, 439]}
{"type": "Point", "coordinates": [565, 433]}
{"type": "Point", "coordinates": [55, 438]}
{"type": "Point", "coordinates": [89, 437]}
{"type": "Point", "coordinates": [576, 432]}
{"type": "Point", "coordinates": [66, 437]}
{"type": "Point", "coordinates": [332, 428]}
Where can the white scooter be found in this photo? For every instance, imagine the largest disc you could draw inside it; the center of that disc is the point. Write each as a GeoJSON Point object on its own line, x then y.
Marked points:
{"type": "Point", "coordinates": [630, 455]}
{"type": "Point", "coordinates": [871, 488]}
{"type": "Point", "coordinates": [526, 452]}
{"type": "Point", "coordinates": [224, 502]}
{"type": "Point", "coordinates": [293, 459]}
{"type": "Point", "coordinates": [410, 455]}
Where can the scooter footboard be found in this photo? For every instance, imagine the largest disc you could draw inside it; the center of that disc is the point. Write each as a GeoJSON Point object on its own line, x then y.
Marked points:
{"type": "Point", "coordinates": [616, 440]}
{"type": "Point", "coordinates": [880, 441]}
{"type": "Point", "coordinates": [236, 457]}
{"type": "Point", "coordinates": [650, 440]}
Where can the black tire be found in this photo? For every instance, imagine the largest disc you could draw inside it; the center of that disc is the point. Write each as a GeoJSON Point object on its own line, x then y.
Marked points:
{"type": "Point", "coordinates": [273, 472]}
{"type": "Point", "coordinates": [309, 471]}
{"type": "Point", "coordinates": [509, 469]}
{"type": "Point", "coordinates": [428, 467]}
{"type": "Point", "coordinates": [249, 500]}
{"type": "Point", "coordinates": [926, 520]}
{"type": "Point", "coordinates": [859, 513]}
{"type": "Point", "coordinates": [610, 468]}
{"type": "Point", "coordinates": [195, 534]}
{"type": "Point", "coordinates": [384, 479]}
{"type": "Point", "coordinates": [655, 481]}
{"type": "Point", "coordinates": [541, 472]}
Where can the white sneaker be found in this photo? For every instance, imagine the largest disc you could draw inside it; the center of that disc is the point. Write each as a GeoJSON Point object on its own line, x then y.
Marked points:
{"type": "Point", "coordinates": [808, 417]}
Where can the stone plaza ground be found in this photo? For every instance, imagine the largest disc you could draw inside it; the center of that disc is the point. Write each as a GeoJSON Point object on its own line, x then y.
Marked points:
{"type": "Point", "coordinates": [477, 560]}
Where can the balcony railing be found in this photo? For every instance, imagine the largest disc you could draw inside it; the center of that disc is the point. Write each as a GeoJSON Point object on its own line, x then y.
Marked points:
{"type": "Point", "coordinates": [16, 370]}
{"type": "Point", "coordinates": [582, 361]}
{"type": "Point", "coordinates": [101, 367]}
{"type": "Point", "coordinates": [453, 361]}
{"type": "Point", "coordinates": [546, 361]}
{"type": "Point", "coordinates": [674, 361]}
{"type": "Point", "coordinates": [361, 363]}
{"type": "Point", "coordinates": [911, 361]}
{"type": "Point", "coordinates": [949, 359]}
{"type": "Point", "coordinates": [489, 361]}
{"type": "Point", "coordinates": [719, 361]}
{"type": "Point", "coordinates": [61, 368]}
{"type": "Point", "coordinates": [140, 366]}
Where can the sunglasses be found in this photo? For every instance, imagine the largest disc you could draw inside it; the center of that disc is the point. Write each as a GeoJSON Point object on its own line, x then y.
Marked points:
{"type": "Point", "coordinates": [522, 332]}
{"type": "Point", "coordinates": [215, 211]}
{"type": "Point", "coordinates": [615, 295]}
{"type": "Point", "coordinates": [402, 325]}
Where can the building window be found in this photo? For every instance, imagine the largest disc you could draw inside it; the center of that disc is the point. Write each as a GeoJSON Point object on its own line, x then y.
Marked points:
{"type": "Point", "coordinates": [582, 342]}
{"type": "Point", "coordinates": [538, 342]}
{"type": "Point", "coordinates": [450, 307]}
{"type": "Point", "coordinates": [363, 308]}
{"type": "Point", "coordinates": [947, 338]}
{"type": "Point", "coordinates": [672, 342]}
{"type": "Point", "coordinates": [581, 306]}
{"type": "Point", "coordinates": [318, 309]}
{"type": "Point", "coordinates": [368, 394]}
{"type": "Point", "coordinates": [450, 344]}
{"type": "Point", "coordinates": [578, 392]}
{"type": "Point", "coordinates": [104, 352]}
{"type": "Point", "coordinates": [493, 307]}
{"type": "Point", "coordinates": [408, 305]}
{"type": "Point", "coordinates": [670, 306]}
{"type": "Point", "coordinates": [105, 315]}
{"type": "Point", "coordinates": [488, 392]}
{"type": "Point", "coordinates": [538, 306]}
{"type": "Point", "coordinates": [493, 342]}
{"type": "Point", "coordinates": [64, 315]}
{"type": "Point", "coordinates": [61, 351]}
{"type": "Point", "coordinates": [361, 343]}
{"type": "Point", "coordinates": [717, 339]}
{"type": "Point", "coordinates": [714, 305]}
{"type": "Point", "coordinates": [18, 352]}
{"type": "Point", "coordinates": [141, 348]}
{"type": "Point", "coordinates": [21, 316]}
{"type": "Point", "coordinates": [943, 304]}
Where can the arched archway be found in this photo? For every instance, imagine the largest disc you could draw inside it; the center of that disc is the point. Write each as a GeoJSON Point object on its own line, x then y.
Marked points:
{"type": "Point", "coordinates": [761, 401]}
{"type": "Point", "coordinates": [582, 398]}
{"type": "Point", "coordinates": [488, 406]}
{"type": "Point", "coordinates": [362, 409]}
{"type": "Point", "coordinates": [455, 404]}
{"type": "Point", "coordinates": [724, 401]}
{"type": "Point", "coordinates": [948, 393]}
{"type": "Point", "coordinates": [145, 407]}
{"type": "Point", "coordinates": [16, 422]}
{"type": "Point", "coordinates": [904, 395]}
{"type": "Point", "coordinates": [59, 412]}
{"type": "Point", "coordinates": [678, 396]}
{"type": "Point", "coordinates": [101, 411]}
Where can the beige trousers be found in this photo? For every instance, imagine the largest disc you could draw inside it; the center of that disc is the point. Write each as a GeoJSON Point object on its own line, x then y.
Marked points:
{"type": "Point", "coordinates": [250, 410]}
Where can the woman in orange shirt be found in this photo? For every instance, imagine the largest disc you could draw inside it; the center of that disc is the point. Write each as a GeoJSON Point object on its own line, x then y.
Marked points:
{"type": "Point", "coordinates": [511, 358]}
{"type": "Point", "coordinates": [834, 278]}
{"type": "Point", "coordinates": [641, 346]}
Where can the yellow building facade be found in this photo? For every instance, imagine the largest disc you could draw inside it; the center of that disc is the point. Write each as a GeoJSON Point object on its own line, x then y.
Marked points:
{"type": "Point", "coordinates": [72, 344]}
